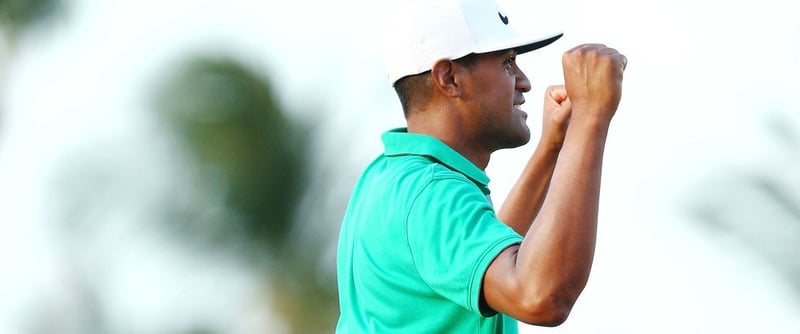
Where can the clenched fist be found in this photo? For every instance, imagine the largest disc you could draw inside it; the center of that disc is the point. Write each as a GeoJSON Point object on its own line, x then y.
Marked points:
{"type": "Point", "coordinates": [593, 79]}
{"type": "Point", "coordinates": [555, 119]}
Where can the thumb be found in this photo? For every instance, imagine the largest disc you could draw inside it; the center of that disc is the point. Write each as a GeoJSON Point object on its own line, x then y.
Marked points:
{"type": "Point", "coordinates": [567, 104]}
{"type": "Point", "coordinates": [557, 94]}
{"type": "Point", "coordinates": [564, 110]}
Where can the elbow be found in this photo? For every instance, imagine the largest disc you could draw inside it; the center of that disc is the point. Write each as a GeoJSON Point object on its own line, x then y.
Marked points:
{"type": "Point", "coordinates": [548, 311]}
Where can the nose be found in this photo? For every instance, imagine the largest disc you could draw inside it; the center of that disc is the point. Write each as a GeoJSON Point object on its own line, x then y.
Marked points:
{"type": "Point", "coordinates": [522, 84]}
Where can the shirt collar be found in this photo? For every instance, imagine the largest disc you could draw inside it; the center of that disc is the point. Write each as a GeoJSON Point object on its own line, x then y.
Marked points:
{"type": "Point", "coordinates": [398, 142]}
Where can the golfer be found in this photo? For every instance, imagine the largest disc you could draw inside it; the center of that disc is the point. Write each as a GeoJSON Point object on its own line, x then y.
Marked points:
{"type": "Point", "coordinates": [422, 249]}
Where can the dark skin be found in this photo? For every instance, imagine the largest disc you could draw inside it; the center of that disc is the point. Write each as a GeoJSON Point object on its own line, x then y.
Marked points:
{"type": "Point", "coordinates": [554, 204]}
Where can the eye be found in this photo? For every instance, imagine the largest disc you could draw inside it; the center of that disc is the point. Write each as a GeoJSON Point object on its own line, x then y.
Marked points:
{"type": "Point", "coordinates": [510, 61]}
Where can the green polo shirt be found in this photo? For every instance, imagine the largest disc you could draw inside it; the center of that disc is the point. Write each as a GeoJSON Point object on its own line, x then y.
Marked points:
{"type": "Point", "coordinates": [416, 240]}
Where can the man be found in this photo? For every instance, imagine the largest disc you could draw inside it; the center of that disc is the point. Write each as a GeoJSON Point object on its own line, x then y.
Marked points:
{"type": "Point", "coordinates": [421, 249]}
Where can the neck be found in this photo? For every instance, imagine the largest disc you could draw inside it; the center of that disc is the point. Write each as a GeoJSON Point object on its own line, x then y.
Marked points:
{"type": "Point", "coordinates": [454, 134]}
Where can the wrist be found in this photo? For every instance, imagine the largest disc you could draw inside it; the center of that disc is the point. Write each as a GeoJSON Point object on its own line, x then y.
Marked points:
{"type": "Point", "coordinates": [592, 113]}
{"type": "Point", "coordinates": [549, 147]}
{"type": "Point", "coordinates": [588, 129]}
{"type": "Point", "coordinates": [592, 117]}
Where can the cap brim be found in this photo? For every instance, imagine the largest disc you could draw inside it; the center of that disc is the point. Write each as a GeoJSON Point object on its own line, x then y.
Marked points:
{"type": "Point", "coordinates": [538, 44]}
{"type": "Point", "coordinates": [521, 44]}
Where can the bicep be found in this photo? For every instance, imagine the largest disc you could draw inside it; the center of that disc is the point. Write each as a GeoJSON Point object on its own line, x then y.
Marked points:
{"type": "Point", "coordinates": [528, 297]}
{"type": "Point", "coordinates": [499, 290]}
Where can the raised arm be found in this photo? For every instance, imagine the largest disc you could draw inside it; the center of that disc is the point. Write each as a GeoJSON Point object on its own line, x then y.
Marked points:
{"type": "Point", "coordinates": [539, 280]}
{"type": "Point", "coordinates": [525, 199]}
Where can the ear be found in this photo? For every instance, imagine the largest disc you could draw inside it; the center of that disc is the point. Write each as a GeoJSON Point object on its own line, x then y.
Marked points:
{"type": "Point", "coordinates": [444, 73]}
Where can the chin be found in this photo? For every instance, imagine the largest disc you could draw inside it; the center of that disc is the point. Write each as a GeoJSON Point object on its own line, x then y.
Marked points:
{"type": "Point", "coordinates": [524, 140]}
{"type": "Point", "coordinates": [524, 133]}
{"type": "Point", "coordinates": [519, 138]}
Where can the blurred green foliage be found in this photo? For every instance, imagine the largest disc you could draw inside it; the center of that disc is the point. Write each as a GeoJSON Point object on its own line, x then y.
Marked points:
{"type": "Point", "coordinates": [228, 119]}
{"type": "Point", "coordinates": [231, 123]}
{"type": "Point", "coordinates": [18, 15]}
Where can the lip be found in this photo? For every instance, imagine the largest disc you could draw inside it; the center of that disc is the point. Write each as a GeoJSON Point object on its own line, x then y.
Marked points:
{"type": "Point", "coordinates": [519, 100]}
{"type": "Point", "coordinates": [520, 111]}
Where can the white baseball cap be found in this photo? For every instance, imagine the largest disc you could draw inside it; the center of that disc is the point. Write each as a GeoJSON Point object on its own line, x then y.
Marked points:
{"type": "Point", "coordinates": [426, 31]}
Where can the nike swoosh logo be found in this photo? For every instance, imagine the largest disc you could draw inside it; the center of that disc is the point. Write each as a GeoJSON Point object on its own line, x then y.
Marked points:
{"type": "Point", "coordinates": [503, 18]}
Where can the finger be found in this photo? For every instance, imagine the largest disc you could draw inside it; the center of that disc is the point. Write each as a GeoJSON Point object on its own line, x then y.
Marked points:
{"type": "Point", "coordinates": [562, 113]}
{"type": "Point", "coordinates": [623, 60]}
{"type": "Point", "coordinates": [618, 57]}
{"type": "Point", "coordinates": [567, 105]}
{"type": "Point", "coordinates": [583, 48]}
{"type": "Point", "coordinates": [566, 108]}
{"type": "Point", "coordinates": [608, 51]}
{"type": "Point", "coordinates": [591, 46]}
{"type": "Point", "coordinates": [557, 93]}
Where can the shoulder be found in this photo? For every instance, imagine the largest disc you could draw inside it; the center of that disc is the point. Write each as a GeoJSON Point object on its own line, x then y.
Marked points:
{"type": "Point", "coordinates": [449, 195]}
{"type": "Point", "coordinates": [439, 185]}
{"type": "Point", "coordinates": [423, 172]}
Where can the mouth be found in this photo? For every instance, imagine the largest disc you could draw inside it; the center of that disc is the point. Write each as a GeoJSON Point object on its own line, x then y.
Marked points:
{"type": "Point", "coordinates": [518, 107]}
{"type": "Point", "coordinates": [518, 101]}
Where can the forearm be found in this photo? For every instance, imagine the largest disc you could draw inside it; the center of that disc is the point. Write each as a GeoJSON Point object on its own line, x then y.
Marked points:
{"type": "Point", "coordinates": [526, 197]}
{"type": "Point", "coordinates": [539, 280]}
{"type": "Point", "coordinates": [558, 249]}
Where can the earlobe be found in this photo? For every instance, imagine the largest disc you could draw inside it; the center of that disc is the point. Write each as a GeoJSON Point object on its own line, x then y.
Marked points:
{"type": "Point", "coordinates": [444, 78]}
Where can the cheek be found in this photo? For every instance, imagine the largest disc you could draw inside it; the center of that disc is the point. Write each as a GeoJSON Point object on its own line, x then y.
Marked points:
{"type": "Point", "coordinates": [502, 90]}
{"type": "Point", "coordinates": [510, 87]}
{"type": "Point", "coordinates": [496, 91]}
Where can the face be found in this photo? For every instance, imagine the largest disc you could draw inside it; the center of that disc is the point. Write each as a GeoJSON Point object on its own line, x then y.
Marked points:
{"type": "Point", "coordinates": [495, 92]}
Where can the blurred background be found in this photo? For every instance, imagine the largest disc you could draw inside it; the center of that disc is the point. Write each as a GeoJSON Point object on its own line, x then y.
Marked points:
{"type": "Point", "coordinates": [182, 166]}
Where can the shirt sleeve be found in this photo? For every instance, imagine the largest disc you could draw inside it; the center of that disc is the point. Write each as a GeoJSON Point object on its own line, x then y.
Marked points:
{"type": "Point", "coordinates": [453, 235]}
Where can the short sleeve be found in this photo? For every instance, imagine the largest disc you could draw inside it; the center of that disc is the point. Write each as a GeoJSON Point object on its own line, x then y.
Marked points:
{"type": "Point", "coordinates": [453, 235]}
